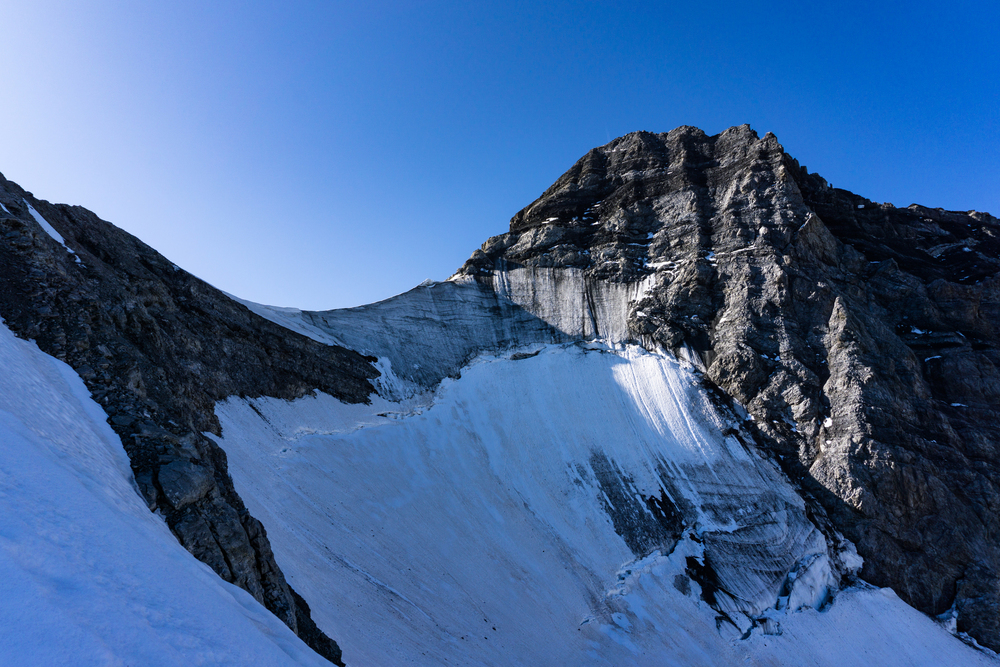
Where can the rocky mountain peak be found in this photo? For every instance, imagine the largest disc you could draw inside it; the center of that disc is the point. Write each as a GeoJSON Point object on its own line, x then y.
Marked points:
{"type": "Point", "coordinates": [862, 338]}
{"type": "Point", "coordinates": [629, 203]}
{"type": "Point", "coordinates": [607, 214]}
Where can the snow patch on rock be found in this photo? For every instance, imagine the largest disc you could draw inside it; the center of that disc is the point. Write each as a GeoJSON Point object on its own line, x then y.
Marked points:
{"type": "Point", "coordinates": [49, 229]}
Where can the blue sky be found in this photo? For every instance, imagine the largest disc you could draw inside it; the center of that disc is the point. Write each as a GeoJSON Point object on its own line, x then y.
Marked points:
{"type": "Point", "coordinates": [327, 154]}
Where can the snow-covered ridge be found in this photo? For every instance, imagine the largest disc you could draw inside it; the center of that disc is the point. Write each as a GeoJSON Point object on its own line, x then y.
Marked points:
{"type": "Point", "coordinates": [427, 333]}
{"type": "Point", "coordinates": [433, 330]}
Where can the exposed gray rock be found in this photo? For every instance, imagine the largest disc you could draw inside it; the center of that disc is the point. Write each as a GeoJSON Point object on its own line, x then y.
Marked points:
{"type": "Point", "coordinates": [184, 482]}
{"type": "Point", "coordinates": [862, 338]}
{"type": "Point", "coordinates": [646, 524]}
{"type": "Point", "coordinates": [195, 533]}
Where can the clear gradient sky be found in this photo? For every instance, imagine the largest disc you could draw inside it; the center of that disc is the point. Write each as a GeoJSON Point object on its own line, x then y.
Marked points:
{"type": "Point", "coordinates": [328, 154]}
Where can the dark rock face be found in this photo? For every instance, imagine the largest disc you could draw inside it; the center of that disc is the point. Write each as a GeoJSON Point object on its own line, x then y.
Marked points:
{"type": "Point", "coordinates": [863, 339]}
{"type": "Point", "coordinates": [158, 348]}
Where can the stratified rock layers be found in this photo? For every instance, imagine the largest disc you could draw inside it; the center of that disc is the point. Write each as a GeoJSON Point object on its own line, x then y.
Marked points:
{"type": "Point", "coordinates": [861, 338]}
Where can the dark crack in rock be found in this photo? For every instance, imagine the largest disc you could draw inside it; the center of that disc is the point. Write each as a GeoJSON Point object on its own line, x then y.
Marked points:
{"type": "Point", "coordinates": [158, 348]}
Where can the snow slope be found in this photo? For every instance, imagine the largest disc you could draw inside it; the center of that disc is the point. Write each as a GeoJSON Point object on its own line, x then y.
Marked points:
{"type": "Point", "coordinates": [499, 521]}
{"type": "Point", "coordinates": [88, 576]}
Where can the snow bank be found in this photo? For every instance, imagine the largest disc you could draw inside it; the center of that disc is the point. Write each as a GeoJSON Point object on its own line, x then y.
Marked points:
{"type": "Point", "coordinates": [88, 576]}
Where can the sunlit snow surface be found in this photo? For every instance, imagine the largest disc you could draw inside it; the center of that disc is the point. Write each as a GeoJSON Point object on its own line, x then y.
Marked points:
{"type": "Point", "coordinates": [88, 575]}
{"type": "Point", "coordinates": [466, 527]}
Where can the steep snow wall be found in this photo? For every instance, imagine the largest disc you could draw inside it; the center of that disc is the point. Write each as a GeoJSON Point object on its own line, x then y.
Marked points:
{"type": "Point", "coordinates": [427, 333]}
{"type": "Point", "coordinates": [562, 504]}
{"type": "Point", "coordinates": [88, 576]}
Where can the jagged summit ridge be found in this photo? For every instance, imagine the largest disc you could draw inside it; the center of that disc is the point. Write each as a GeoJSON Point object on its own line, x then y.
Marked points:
{"type": "Point", "coordinates": [607, 212]}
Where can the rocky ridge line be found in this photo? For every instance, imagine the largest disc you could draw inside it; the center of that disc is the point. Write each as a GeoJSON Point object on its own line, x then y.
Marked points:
{"type": "Point", "coordinates": [158, 348]}
{"type": "Point", "coordinates": [863, 339]}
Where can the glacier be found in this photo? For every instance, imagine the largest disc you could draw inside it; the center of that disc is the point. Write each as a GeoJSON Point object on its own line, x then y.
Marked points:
{"type": "Point", "coordinates": [531, 488]}
{"type": "Point", "coordinates": [542, 460]}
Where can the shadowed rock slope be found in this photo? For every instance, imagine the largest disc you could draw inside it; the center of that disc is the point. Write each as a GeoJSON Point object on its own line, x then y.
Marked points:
{"type": "Point", "coordinates": [863, 339]}
{"type": "Point", "coordinates": [158, 348]}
